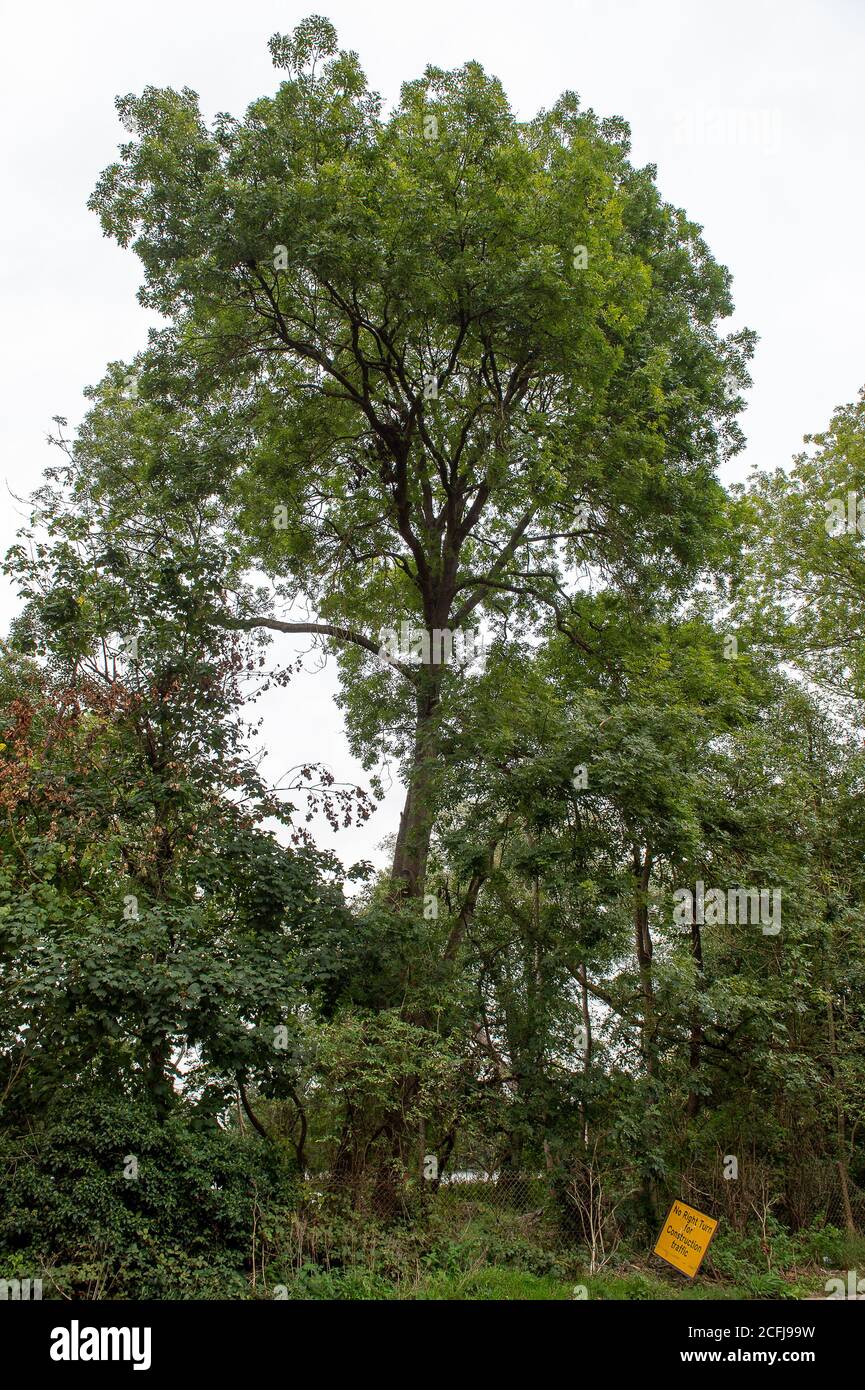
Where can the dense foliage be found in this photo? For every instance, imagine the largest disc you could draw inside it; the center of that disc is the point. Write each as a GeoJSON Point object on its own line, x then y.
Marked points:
{"type": "Point", "coordinates": [435, 372]}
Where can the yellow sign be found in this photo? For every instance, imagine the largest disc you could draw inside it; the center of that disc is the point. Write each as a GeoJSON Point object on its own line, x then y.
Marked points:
{"type": "Point", "coordinates": [685, 1238]}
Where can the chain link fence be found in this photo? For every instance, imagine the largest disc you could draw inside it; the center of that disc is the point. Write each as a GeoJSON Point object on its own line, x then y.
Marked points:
{"type": "Point", "coordinates": [586, 1203]}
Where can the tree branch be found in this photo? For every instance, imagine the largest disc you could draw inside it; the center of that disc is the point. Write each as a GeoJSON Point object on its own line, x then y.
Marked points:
{"type": "Point", "coordinates": [342, 634]}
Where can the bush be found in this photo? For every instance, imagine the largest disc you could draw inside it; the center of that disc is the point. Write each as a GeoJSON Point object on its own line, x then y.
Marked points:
{"type": "Point", "coordinates": [103, 1200]}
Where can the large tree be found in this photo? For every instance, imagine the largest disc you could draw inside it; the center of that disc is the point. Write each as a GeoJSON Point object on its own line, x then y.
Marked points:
{"type": "Point", "coordinates": [441, 366]}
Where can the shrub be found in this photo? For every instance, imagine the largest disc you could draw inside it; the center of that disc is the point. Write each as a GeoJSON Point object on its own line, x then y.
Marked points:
{"type": "Point", "coordinates": [104, 1200]}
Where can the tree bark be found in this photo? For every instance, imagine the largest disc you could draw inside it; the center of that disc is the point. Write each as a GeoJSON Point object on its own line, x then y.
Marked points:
{"type": "Point", "coordinates": [642, 867]}
{"type": "Point", "coordinates": [643, 944]}
{"type": "Point", "coordinates": [587, 1043]}
{"type": "Point", "coordinates": [419, 811]}
{"type": "Point", "coordinates": [696, 1044]}
{"type": "Point", "coordinates": [843, 1178]}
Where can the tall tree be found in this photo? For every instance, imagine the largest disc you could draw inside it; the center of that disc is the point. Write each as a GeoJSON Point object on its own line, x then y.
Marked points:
{"type": "Point", "coordinates": [444, 366]}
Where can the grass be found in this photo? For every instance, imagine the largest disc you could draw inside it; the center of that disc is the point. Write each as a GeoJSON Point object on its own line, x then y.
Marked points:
{"type": "Point", "coordinates": [484, 1256]}
{"type": "Point", "coordinates": [518, 1285]}
{"type": "Point", "coordinates": [495, 1284]}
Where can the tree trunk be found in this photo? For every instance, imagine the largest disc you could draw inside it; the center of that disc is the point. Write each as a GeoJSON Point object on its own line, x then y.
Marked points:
{"type": "Point", "coordinates": [696, 1046]}
{"type": "Point", "coordinates": [418, 814]}
{"type": "Point", "coordinates": [643, 944]}
{"type": "Point", "coordinates": [587, 1044]}
{"type": "Point", "coordinates": [843, 1180]}
{"type": "Point", "coordinates": [642, 866]}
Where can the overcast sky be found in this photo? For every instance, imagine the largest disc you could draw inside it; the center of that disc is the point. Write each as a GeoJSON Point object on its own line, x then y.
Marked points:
{"type": "Point", "coordinates": [752, 111]}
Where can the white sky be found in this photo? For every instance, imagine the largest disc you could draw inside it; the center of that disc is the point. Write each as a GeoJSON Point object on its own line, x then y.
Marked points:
{"type": "Point", "coordinates": [751, 109]}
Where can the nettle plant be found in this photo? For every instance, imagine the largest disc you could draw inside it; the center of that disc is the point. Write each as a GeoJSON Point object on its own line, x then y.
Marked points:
{"type": "Point", "coordinates": [441, 365]}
